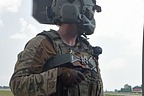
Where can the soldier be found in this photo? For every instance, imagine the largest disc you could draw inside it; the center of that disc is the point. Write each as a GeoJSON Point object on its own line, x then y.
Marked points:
{"type": "Point", "coordinates": [35, 75]}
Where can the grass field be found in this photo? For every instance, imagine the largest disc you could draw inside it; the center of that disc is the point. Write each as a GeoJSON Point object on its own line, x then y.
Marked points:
{"type": "Point", "coordinates": [8, 93]}
{"type": "Point", "coordinates": [5, 93]}
{"type": "Point", "coordinates": [122, 94]}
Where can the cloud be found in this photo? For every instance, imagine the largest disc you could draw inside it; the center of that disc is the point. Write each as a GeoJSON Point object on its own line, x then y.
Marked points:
{"type": "Point", "coordinates": [115, 64]}
{"type": "Point", "coordinates": [19, 36]}
{"type": "Point", "coordinates": [9, 5]}
{"type": "Point", "coordinates": [26, 32]}
{"type": "Point", "coordinates": [119, 26]}
{"type": "Point", "coordinates": [25, 26]}
{"type": "Point", "coordinates": [1, 23]}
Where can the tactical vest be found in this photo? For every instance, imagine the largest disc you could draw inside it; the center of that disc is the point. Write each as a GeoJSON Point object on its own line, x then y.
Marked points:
{"type": "Point", "coordinates": [93, 84]}
{"type": "Point", "coordinates": [62, 48]}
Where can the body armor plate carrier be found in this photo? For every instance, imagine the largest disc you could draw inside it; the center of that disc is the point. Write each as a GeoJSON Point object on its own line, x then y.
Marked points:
{"type": "Point", "coordinates": [66, 55]}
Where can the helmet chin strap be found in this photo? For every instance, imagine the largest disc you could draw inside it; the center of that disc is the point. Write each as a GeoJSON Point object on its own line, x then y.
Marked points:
{"type": "Point", "coordinates": [80, 31]}
{"type": "Point", "coordinates": [86, 26]}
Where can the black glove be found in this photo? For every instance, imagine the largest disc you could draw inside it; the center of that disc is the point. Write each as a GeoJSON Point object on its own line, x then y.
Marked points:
{"type": "Point", "coordinates": [69, 76]}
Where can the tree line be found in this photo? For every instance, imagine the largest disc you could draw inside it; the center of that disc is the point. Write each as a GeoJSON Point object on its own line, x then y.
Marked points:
{"type": "Point", "coordinates": [4, 87]}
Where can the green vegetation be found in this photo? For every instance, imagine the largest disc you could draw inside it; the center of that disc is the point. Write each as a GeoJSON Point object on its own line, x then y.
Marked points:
{"type": "Point", "coordinates": [113, 95]}
{"type": "Point", "coordinates": [5, 93]}
{"type": "Point", "coordinates": [8, 93]}
{"type": "Point", "coordinates": [122, 94]}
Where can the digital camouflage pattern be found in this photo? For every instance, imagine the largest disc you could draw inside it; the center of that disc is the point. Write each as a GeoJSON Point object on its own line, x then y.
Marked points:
{"type": "Point", "coordinates": [29, 79]}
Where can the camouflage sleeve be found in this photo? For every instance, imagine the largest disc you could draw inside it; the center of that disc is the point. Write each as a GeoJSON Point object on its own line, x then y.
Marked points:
{"type": "Point", "coordinates": [28, 78]}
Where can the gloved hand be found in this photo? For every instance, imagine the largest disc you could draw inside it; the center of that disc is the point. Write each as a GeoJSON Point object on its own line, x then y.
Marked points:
{"type": "Point", "coordinates": [69, 76]}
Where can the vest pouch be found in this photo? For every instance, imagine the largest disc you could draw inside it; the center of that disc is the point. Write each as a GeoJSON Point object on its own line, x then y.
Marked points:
{"type": "Point", "coordinates": [93, 88]}
{"type": "Point", "coordinates": [84, 88]}
{"type": "Point", "coordinates": [79, 90]}
{"type": "Point", "coordinates": [96, 88]}
{"type": "Point", "coordinates": [96, 85]}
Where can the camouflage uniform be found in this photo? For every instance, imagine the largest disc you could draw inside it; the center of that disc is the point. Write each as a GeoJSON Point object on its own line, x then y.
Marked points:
{"type": "Point", "coordinates": [29, 79]}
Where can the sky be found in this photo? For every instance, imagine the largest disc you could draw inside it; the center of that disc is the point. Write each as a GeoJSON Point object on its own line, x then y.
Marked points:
{"type": "Point", "coordinates": [119, 31]}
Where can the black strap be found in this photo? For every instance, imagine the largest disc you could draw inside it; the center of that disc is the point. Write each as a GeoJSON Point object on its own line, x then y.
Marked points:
{"type": "Point", "coordinates": [58, 60]}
